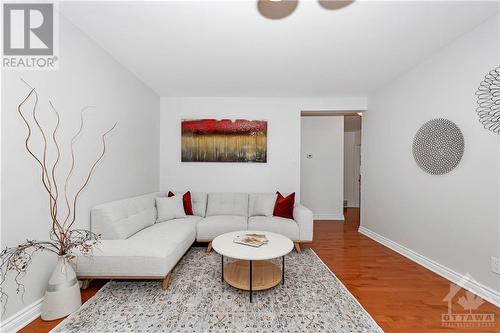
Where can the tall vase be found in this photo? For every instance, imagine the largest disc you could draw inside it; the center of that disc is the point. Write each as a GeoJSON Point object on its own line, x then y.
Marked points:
{"type": "Point", "coordinates": [62, 295]}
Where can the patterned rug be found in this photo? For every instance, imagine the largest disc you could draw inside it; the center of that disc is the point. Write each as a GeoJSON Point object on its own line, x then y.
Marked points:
{"type": "Point", "coordinates": [311, 300]}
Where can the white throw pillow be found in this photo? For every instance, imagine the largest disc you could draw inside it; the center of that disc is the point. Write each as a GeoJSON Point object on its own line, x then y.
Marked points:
{"type": "Point", "coordinates": [170, 208]}
{"type": "Point", "coordinates": [263, 205]}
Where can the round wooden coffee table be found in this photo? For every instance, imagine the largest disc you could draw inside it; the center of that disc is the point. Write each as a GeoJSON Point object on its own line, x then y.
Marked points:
{"type": "Point", "coordinates": [252, 270]}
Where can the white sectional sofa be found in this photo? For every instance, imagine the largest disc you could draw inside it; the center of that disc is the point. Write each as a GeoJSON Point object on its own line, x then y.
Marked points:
{"type": "Point", "coordinates": [135, 246]}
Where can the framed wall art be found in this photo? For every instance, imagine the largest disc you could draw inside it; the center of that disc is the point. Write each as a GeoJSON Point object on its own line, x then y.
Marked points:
{"type": "Point", "coordinates": [224, 140]}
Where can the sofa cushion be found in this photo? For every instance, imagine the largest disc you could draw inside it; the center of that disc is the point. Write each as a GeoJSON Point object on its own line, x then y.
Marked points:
{"type": "Point", "coordinates": [261, 204]}
{"type": "Point", "coordinates": [284, 205]}
{"type": "Point", "coordinates": [213, 226]}
{"type": "Point", "coordinates": [186, 200]}
{"type": "Point", "coordinates": [279, 225]}
{"type": "Point", "coordinates": [227, 204]}
{"type": "Point", "coordinates": [178, 231]}
{"type": "Point", "coordinates": [169, 208]}
{"type": "Point", "coordinates": [198, 202]}
{"type": "Point", "coordinates": [123, 218]}
{"type": "Point", "coordinates": [129, 258]}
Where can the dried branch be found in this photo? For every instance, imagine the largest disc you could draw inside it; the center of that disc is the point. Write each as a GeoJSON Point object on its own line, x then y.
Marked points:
{"type": "Point", "coordinates": [17, 259]}
{"type": "Point", "coordinates": [45, 174]}
{"type": "Point", "coordinates": [26, 144]}
{"type": "Point", "coordinates": [90, 172]}
{"type": "Point", "coordinates": [83, 241]}
{"type": "Point", "coordinates": [44, 156]}
{"type": "Point", "coordinates": [63, 241]}
{"type": "Point", "coordinates": [58, 151]}
{"type": "Point", "coordinates": [70, 173]}
{"type": "Point", "coordinates": [53, 172]}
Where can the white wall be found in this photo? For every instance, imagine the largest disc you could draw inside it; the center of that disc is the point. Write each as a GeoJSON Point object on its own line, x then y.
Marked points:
{"type": "Point", "coordinates": [282, 170]}
{"type": "Point", "coordinates": [322, 175]}
{"type": "Point", "coordinates": [352, 141]}
{"type": "Point", "coordinates": [87, 76]}
{"type": "Point", "coordinates": [451, 219]}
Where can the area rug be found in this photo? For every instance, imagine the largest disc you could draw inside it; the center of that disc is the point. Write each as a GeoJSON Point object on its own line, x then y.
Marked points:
{"type": "Point", "coordinates": [311, 300]}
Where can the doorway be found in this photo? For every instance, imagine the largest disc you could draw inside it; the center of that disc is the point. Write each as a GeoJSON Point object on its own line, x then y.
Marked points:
{"type": "Point", "coordinates": [330, 163]}
{"type": "Point", "coordinates": [352, 160]}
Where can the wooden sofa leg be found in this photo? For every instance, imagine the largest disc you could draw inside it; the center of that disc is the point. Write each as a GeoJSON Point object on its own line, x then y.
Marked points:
{"type": "Point", "coordinates": [166, 281]}
{"type": "Point", "coordinates": [209, 247]}
{"type": "Point", "coordinates": [297, 247]}
{"type": "Point", "coordinates": [86, 283]}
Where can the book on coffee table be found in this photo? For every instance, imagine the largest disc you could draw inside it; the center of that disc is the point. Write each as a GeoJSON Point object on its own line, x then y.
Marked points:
{"type": "Point", "coordinates": [254, 240]}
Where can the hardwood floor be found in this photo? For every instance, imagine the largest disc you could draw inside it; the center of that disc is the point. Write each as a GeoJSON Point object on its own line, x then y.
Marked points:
{"type": "Point", "coordinates": [399, 294]}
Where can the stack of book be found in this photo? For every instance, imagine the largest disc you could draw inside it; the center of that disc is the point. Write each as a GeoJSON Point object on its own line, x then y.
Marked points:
{"type": "Point", "coordinates": [254, 240]}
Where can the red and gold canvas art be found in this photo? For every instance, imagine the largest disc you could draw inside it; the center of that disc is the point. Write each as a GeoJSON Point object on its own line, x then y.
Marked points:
{"type": "Point", "coordinates": [224, 140]}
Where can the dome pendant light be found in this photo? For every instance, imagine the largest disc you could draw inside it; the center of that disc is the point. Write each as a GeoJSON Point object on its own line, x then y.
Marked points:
{"type": "Point", "coordinates": [276, 9]}
{"type": "Point", "coordinates": [334, 4]}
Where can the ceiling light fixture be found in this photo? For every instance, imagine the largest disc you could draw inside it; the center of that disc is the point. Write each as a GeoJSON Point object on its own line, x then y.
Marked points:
{"type": "Point", "coordinates": [278, 9]}
{"type": "Point", "coordinates": [334, 4]}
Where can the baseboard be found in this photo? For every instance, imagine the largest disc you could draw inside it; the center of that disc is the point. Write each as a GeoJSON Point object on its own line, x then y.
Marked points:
{"type": "Point", "coordinates": [334, 217]}
{"type": "Point", "coordinates": [471, 285]}
{"type": "Point", "coordinates": [22, 318]}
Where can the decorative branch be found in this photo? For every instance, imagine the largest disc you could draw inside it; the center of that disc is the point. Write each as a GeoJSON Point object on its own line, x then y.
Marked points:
{"type": "Point", "coordinates": [26, 142]}
{"type": "Point", "coordinates": [58, 151]}
{"type": "Point", "coordinates": [44, 156]}
{"type": "Point", "coordinates": [63, 240]}
{"type": "Point", "coordinates": [18, 259]}
{"type": "Point", "coordinates": [45, 174]}
{"type": "Point", "coordinates": [70, 173]}
{"type": "Point", "coordinates": [91, 172]}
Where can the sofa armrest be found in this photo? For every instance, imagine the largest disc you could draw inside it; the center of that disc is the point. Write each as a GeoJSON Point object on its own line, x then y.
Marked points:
{"type": "Point", "coordinates": [304, 218]}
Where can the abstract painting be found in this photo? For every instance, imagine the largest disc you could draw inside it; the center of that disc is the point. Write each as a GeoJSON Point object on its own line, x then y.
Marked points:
{"type": "Point", "coordinates": [224, 140]}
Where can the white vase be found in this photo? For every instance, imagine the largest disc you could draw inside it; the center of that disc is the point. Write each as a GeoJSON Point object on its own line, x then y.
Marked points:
{"type": "Point", "coordinates": [62, 296]}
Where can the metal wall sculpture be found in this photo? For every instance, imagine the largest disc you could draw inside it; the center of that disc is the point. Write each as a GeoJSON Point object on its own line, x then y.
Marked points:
{"type": "Point", "coordinates": [438, 146]}
{"type": "Point", "coordinates": [488, 98]}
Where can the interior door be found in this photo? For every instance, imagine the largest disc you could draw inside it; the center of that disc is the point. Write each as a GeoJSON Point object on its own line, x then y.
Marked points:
{"type": "Point", "coordinates": [357, 175]}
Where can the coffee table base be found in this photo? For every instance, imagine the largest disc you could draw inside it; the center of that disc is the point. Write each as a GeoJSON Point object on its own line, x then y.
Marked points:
{"type": "Point", "coordinates": [265, 274]}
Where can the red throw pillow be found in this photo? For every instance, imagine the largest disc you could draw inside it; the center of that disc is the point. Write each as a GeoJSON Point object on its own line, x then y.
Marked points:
{"type": "Point", "coordinates": [186, 200]}
{"type": "Point", "coordinates": [284, 206]}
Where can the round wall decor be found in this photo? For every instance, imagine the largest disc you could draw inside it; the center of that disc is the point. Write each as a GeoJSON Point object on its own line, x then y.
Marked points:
{"type": "Point", "coordinates": [438, 146]}
{"type": "Point", "coordinates": [488, 98]}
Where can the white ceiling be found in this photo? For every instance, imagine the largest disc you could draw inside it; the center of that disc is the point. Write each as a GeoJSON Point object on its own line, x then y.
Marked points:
{"type": "Point", "coordinates": [226, 48]}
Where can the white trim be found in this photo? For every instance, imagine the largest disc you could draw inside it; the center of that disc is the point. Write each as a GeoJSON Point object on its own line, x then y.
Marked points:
{"type": "Point", "coordinates": [346, 290]}
{"type": "Point", "coordinates": [22, 318]}
{"type": "Point", "coordinates": [473, 286]}
{"type": "Point", "coordinates": [334, 217]}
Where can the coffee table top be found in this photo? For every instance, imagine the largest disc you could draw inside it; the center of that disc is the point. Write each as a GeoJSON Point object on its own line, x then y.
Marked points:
{"type": "Point", "coordinates": [277, 246]}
